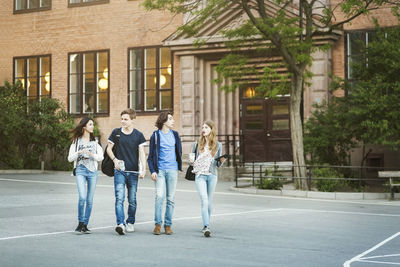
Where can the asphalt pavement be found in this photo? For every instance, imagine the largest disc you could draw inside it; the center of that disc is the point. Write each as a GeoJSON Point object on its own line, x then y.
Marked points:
{"type": "Point", "coordinates": [38, 213]}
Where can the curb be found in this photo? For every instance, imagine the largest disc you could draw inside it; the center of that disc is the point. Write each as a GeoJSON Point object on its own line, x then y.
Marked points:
{"type": "Point", "coordinates": [315, 194]}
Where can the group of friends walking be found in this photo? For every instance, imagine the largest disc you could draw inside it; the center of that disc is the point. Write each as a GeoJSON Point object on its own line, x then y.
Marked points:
{"type": "Point", "coordinates": [164, 161]}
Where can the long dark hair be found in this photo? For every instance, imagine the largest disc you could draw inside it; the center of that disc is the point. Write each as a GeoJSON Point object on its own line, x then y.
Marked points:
{"type": "Point", "coordinates": [77, 132]}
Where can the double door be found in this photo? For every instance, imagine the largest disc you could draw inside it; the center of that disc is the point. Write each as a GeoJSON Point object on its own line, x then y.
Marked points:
{"type": "Point", "coordinates": [265, 126]}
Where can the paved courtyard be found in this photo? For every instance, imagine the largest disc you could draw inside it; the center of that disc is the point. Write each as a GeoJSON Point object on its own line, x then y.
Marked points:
{"type": "Point", "coordinates": [38, 216]}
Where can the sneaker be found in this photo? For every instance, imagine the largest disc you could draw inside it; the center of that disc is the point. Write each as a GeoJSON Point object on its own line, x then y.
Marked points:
{"type": "Point", "coordinates": [85, 230]}
{"type": "Point", "coordinates": [78, 229]}
{"type": "Point", "coordinates": [157, 229]}
{"type": "Point", "coordinates": [206, 231]}
{"type": "Point", "coordinates": [168, 230]}
{"type": "Point", "coordinates": [120, 229]}
{"type": "Point", "coordinates": [129, 227]}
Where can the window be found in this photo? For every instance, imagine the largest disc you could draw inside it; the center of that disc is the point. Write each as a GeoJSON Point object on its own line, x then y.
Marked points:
{"type": "Point", "coordinates": [355, 42]}
{"type": "Point", "coordinates": [72, 3]}
{"type": "Point", "coordinates": [147, 93]}
{"type": "Point", "coordinates": [22, 6]}
{"type": "Point", "coordinates": [88, 82]}
{"type": "Point", "coordinates": [34, 72]}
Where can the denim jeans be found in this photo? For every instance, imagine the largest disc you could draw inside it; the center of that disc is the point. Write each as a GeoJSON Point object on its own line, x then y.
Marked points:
{"type": "Point", "coordinates": [121, 179]}
{"type": "Point", "coordinates": [83, 177]}
{"type": "Point", "coordinates": [205, 185]}
{"type": "Point", "coordinates": [166, 179]}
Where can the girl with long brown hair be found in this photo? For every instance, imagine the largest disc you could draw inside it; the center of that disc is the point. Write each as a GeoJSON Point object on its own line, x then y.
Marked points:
{"type": "Point", "coordinates": [85, 152]}
{"type": "Point", "coordinates": [208, 157]}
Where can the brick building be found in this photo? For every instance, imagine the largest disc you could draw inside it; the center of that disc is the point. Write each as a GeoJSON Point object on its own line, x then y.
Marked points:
{"type": "Point", "coordinates": [102, 56]}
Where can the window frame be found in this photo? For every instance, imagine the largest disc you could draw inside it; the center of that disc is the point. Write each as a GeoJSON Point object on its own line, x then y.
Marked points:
{"type": "Point", "coordinates": [158, 89]}
{"type": "Point", "coordinates": [81, 73]}
{"type": "Point", "coordinates": [347, 57]}
{"type": "Point", "coordinates": [82, 3]}
{"type": "Point", "coordinates": [29, 10]}
{"type": "Point", "coordinates": [38, 76]}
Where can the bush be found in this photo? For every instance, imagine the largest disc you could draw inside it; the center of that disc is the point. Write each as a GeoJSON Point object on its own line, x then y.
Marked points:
{"type": "Point", "coordinates": [328, 185]}
{"type": "Point", "coordinates": [32, 131]}
{"type": "Point", "coordinates": [271, 183]}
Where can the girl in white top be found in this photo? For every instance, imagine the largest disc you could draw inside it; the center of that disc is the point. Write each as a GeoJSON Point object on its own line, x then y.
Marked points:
{"type": "Point", "coordinates": [205, 167]}
{"type": "Point", "coordinates": [85, 152]}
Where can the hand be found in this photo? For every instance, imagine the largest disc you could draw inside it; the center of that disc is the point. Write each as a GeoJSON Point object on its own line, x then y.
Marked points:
{"type": "Point", "coordinates": [116, 165]}
{"type": "Point", "coordinates": [141, 175]}
{"type": "Point", "coordinates": [154, 176]}
{"type": "Point", "coordinates": [222, 160]}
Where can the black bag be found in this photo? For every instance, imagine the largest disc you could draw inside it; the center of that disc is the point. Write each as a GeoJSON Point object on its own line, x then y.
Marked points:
{"type": "Point", "coordinates": [189, 174]}
{"type": "Point", "coordinates": [107, 165]}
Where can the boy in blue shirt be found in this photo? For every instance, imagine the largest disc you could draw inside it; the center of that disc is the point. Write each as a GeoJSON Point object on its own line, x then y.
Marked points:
{"type": "Point", "coordinates": [165, 159]}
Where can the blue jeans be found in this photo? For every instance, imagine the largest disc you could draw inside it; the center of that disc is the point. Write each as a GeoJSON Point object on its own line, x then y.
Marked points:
{"type": "Point", "coordinates": [121, 179]}
{"type": "Point", "coordinates": [83, 177]}
{"type": "Point", "coordinates": [165, 179]}
{"type": "Point", "coordinates": [205, 185]}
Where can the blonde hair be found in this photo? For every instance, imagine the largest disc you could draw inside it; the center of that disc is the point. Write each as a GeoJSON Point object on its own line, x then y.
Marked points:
{"type": "Point", "coordinates": [212, 139]}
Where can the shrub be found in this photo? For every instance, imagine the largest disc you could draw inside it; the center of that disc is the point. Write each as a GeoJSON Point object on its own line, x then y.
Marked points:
{"type": "Point", "coordinates": [328, 185]}
{"type": "Point", "coordinates": [32, 131]}
{"type": "Point", "coordinates": [271, 183]}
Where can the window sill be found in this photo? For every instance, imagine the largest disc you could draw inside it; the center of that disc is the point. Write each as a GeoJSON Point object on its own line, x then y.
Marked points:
{"type": "Point", "coordinates": [100, 2]}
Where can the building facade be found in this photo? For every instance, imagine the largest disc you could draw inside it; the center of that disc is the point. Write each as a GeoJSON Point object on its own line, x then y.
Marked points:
{"type": "Point", "coordinates": [102, 56]}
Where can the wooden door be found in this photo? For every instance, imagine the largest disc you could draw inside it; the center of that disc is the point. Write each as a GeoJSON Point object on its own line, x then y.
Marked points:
{"type": "Point", "coordinates": [265, 126]}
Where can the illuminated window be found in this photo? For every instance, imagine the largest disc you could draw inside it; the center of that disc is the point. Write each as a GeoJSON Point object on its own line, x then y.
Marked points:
{"type": "Point", "coordinates": [150, 79]}
{"type": "Point", "coordinates": [34, 73]}
{"type": "Point", "coordinates": [89, 82]}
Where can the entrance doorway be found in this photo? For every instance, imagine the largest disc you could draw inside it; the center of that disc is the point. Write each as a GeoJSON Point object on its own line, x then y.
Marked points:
{"type": "Point", "coordinates": [265, 126]}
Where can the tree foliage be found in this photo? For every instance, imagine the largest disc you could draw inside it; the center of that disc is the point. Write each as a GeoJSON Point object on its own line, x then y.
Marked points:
{"type": "Point", "coordinates": [272, 28]}
{"type": "Point", "coordinates": [369, 114]}
{"type": "Point", "coordinates": [31, 131]}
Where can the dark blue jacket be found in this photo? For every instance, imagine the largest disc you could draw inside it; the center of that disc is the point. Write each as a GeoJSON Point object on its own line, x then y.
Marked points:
{"type": "Point", "coordinates": [154, 151]}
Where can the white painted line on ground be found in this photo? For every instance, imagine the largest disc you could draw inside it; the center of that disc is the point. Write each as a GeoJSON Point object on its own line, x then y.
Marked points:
{"type": "Point", "coordinates": [345, 212]}
{"type": "Point", "coordinates": [381, 262]}
{"type": "Point", "coordinates": [395, 203]}
{"type": "Point", "coordinates": [138, 223]}
{"type": "Point", "coordinates": [359, 257]}
{"type": "Point", "coordinates": [382, 256]}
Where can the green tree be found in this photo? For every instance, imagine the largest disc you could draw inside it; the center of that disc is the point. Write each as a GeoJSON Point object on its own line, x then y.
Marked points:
{"type": "Point", "coordinates": [369, 114]}
{"type": "Point", "coordinates": [31, 131]}
{"type": "Point", "coordinates": [12, 123]}
{"type": "Point", "coordinates": [273, 30]}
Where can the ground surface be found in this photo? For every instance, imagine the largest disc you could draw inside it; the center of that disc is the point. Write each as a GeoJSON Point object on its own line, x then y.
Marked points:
{"type": "Point", "coordinates": [38, 215]}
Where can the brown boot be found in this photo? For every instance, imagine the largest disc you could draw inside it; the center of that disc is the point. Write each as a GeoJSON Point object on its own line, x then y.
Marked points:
{"type": "Point", "coordinates": [157, 229]}
{"type": "Point", "coordinates": [168, 230]}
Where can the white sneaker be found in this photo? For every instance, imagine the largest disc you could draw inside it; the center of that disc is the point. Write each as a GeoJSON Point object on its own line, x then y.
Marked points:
{"type": "Point", "coordinates": [120, 229]}
{"type": "Point", "coordinates": [130, 228]}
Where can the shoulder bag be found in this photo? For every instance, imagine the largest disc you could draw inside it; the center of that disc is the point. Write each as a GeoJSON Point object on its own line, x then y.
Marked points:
{"type": "Point", "coordinates": [189, 174]}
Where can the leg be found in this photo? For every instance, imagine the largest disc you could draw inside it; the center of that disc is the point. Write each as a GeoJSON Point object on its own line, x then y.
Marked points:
{"type": "Point", "coordinates": [119, 188]}
{"type": "Point", "coordinates": [201, 186]}
{"type": "Point", "coordinates": [160, 192]}
{"type": "Point", "coordinates": [91, 187]}
{"type": "Point", "coordinates": [131, 183]}
{"type": "Point", "coordinates": [81, 184]}
{"type": "Point", "coordinates": [171, 180]}
{"type": "Point", "coordinates": [211, 184]}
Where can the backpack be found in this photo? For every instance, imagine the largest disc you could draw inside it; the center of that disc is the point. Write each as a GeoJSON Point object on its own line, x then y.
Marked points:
{"type": "Point", "coordinates": [107, 165]}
